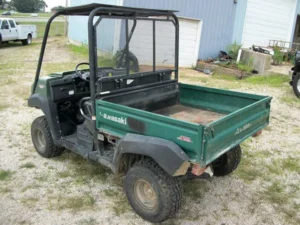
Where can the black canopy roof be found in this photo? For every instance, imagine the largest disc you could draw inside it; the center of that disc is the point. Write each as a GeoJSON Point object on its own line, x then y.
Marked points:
{"type": "Point", "coordinates": [113, 10]}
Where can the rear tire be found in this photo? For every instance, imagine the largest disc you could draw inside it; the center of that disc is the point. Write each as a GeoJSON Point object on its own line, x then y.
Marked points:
{"type": "Point", "coordinates": [227, 162]}
{"type": "Point", "coordinates": [152, 193]}
{"type": "Point", "coordinates": [42, 138]}
{"type": "Point", "coordinates": [296, 85]}
{"type": "Point", "coordinates": [27, 41]}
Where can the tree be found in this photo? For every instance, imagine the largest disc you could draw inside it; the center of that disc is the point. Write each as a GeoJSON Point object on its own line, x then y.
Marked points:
{"type": "Point", "coordinates": [29, 6]}
{"type": "Point", "coordinates": [2, 4]}
{"type": "Point", "coordinates": [54, 9]}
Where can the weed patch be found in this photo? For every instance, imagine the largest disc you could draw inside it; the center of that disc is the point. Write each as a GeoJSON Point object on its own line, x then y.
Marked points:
{"type": "Point", "coordinates": [5, 174]}
{"type": "Point", "coordinates": [3, 106]}
{"type": "Point", "coordinates": [30, 201]}
{"type": "Point", "coordinates": [72, 203]}
{"type": "Point", "coordinates": [291, 100]}
{"type": "Point", "coordinates": [195, 188]}
{"type": "Point", "coordinates": [5, 190]}
{"type": "Point", "coordinates": [28, 165]}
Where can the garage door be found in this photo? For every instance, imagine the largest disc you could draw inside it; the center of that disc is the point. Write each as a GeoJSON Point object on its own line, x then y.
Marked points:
{"type": "Point", "coordinates": [189, 42]}
{"type": "Point", "coordinates": [268, 20]}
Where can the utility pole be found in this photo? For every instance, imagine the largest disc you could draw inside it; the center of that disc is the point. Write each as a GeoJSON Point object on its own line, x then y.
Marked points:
{"type": "Point", "coordinates": [66, 22]}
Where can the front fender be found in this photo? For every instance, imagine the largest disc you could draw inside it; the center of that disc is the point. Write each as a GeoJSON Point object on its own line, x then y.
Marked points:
{"type": "Point", "coordinates": [166, 154]}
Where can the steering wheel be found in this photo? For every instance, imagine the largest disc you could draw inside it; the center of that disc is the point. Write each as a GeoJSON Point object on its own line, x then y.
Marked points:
{"type": "Point", "coordinates": [83, 75]}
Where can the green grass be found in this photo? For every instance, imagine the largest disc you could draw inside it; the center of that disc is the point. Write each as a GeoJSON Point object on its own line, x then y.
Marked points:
{"type": "Point", "coordinates": [5, 174]}
{"type": "Point", "coordinates": [224, 77]}
{"type": "Point", "coordinates": [276, 194]}
{"type": "Point", "coordinates": [291, 100]}
{"type": "Point", "coordinates": [83, 50]}
{"type": "Point", "coordinates": [89, 221]}
{"type": "Point", "coordinates": [232, 82]}
{"type": "Point", "coordinates": [30, 201]}
{"type": "Point", "coordinates": [57, 28]}
{"type": "Point", "coordinates": [274, 80]}
{"type": "Point", "coordinates": [195, 188]}
{"type": "Point", "coordinates": [58, 67]}
{"type": "Point", "coordinates": [110, 192]}
{"type": "Point", "coordinates": [121, 205]}
{"type": "Point", "coordinates": [5, 190]}
{"type": "Point", "coordinates": [31, 186]}
{"type": "Point", "coordinates": [291, 164]}
{"type": "Point", "coordinates": [28, 165]}
{"type": "Point", "coordinates": [29, 15]}
{"type": "Point", "coordinates": [64, 174]}
{"type": "Point", "coordinates": [19, 14]}
{"type": "Point", "coordinates": [3, 106]}
{"type": "Point", "coordinates": [73, 203]}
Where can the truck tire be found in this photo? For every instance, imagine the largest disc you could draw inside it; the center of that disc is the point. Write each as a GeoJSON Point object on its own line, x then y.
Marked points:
{"type": "Point", "coordinates": [42, 138]}
{"type": "Point", "coordinates": [152, 193]}
{"type": "Point", "coordinates": [296, 85]}
{"type": "Point", "coordinates": [133, 61]}
{"type": "Point", "coordinates": [27, 41]}
{"type": "Point", "coordinates": [227, 162]}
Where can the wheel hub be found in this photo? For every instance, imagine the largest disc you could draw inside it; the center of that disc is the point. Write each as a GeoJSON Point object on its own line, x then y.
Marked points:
{"type": "Point", "coordinates": [298, 85]}
{"type": "Point", "coordinates": [40, 139]}
{"type": "Point", "coordinates": [145, 194]}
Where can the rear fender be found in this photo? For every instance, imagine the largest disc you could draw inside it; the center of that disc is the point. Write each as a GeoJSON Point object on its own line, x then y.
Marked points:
{"type": "Point", "coordinates": [50, 112]}
{"type": "Point", "coordinates": [166, 154]}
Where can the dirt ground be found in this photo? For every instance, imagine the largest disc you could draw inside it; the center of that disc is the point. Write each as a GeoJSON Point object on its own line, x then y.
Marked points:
{"type": "Point", "coordinates": [265, 189]}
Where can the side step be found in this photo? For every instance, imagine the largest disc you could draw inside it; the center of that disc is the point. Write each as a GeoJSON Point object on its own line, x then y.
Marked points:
{"type": "Point", "coordinates": [84, 137]}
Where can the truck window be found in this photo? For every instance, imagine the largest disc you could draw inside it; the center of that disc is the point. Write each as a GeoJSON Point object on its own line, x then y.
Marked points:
{"type": "Point", "coordinates": [12, 24]}
{"type": "Point", "coordinates": [4, 23]}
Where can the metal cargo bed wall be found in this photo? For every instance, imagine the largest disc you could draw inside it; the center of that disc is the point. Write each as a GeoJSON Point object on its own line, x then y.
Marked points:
{"type": "Point", "coordinates": [217, 17]}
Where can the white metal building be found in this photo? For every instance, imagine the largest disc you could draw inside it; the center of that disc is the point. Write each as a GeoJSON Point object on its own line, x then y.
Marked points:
{"type": "Point", "coordinates": [258, 21]}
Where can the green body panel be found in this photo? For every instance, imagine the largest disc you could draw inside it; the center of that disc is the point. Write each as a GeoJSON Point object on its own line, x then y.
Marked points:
{"type": "Point", "coordinates": [245, 115]}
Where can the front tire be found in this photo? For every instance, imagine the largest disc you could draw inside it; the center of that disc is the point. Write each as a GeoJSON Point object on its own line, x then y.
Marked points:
{"type": "Point", "coordinates": [27, 41]}
{"type": "Point", "coordinates": [296, 85]}
{"type": "Point", "coordinates": [152, 193]}
{"type": "Point", "coordinates": [227, 162]}
{"type": "Point", "coordinates": [42, 138]}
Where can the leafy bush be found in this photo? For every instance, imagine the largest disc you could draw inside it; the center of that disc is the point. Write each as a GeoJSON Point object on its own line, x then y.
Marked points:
{"type": "Point", "coordinates": [278, 56]}
{"type": "Point", "coordinates": [246, 66]}
{"type": "Point", "coordinates": [233, 50]}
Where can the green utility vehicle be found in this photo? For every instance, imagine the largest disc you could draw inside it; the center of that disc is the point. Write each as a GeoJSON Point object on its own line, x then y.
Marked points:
{"type": "Point", "coordinates": [141, 122]}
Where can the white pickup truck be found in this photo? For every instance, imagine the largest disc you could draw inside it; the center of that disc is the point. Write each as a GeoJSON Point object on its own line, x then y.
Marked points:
{"type": "Point", "coordinates": [11, 31]}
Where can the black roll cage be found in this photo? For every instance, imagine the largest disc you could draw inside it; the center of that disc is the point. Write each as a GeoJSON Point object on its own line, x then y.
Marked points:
{"type": "Point", "coordinates": [116, 12]}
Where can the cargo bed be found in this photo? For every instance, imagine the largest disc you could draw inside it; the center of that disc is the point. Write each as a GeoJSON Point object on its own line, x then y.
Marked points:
{"type": "Point", "coordinates": [205, 122]}
{"type": "Point", "coordinates": [190, 114]}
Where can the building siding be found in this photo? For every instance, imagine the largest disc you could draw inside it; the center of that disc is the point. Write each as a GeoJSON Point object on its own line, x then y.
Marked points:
{"type": "Point", "coordinates": [297, 13]}
{"type": "Point", "coordinates": [78, 29]}
{"type": "Point", "coordinates": [239, 21]}
{"type": "Point", "coordinates": [217, 16]}
{"type": "Point", "coordinates": [268, 20]}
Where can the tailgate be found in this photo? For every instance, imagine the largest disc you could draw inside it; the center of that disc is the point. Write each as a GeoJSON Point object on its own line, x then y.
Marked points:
{"type": "Point", "coordinates": [234, 128]}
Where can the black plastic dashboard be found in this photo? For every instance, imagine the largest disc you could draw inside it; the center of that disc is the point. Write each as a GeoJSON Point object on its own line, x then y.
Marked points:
{"type": "Point", "coordinates": [68, 88]}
